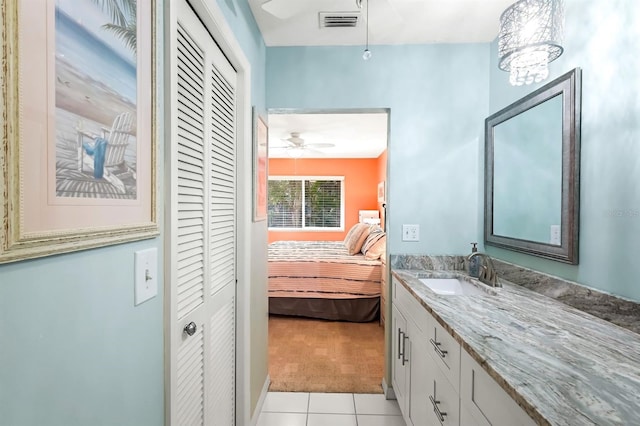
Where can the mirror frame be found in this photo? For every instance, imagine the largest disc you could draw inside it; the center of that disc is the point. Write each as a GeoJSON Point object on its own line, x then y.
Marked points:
{"type": "Point", "coordinates": [569, 85]}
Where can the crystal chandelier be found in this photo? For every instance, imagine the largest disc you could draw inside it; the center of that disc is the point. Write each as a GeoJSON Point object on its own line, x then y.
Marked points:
{"type": "Point", "coordinates": [530, 37]}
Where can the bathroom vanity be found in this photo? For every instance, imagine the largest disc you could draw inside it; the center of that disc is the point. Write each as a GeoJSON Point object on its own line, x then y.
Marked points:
{"type": "Point", "coordinates": [507, 356]}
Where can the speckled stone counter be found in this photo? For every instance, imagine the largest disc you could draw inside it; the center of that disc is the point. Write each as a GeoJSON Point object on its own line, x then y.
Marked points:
{"type": "Point", "coordinates": [561, 365]}
{"type": "Point", "coordinates": [624, 313]}
{"type": "Point", "coordinates": [611, 308]}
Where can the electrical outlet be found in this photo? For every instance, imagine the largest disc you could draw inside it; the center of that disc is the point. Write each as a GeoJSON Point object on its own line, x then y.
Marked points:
{"type": "Point", "coordinates": [555, 237]}
{"type": "Point", "coordinates": [410, 232]}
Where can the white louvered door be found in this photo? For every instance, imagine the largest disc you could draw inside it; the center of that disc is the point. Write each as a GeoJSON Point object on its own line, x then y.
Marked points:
{"type": "Point", "coordinates": [202, 240]}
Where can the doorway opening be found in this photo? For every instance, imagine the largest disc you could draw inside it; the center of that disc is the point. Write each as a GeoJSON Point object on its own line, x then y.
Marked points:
{"type": "Point", "coordinates": [327, 249]}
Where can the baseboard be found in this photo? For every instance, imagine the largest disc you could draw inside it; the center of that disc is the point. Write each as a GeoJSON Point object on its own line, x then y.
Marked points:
{"type": "Point", "coordinates": [387, 390]}
{"type": "Point", "coordinates": [263, 395]}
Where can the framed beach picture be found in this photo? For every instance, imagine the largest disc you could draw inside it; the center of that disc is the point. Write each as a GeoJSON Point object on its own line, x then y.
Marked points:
{"type": "Point", "coordinates": [79, 134]}
{"type": "Point", "coordinates": [260, 161]}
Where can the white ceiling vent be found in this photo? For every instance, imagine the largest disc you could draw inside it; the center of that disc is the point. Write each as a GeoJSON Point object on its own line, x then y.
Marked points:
{"type": "Point", "coordinates": [338, 19]}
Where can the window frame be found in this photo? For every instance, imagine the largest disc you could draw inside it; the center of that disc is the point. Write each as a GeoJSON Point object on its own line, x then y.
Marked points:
{"type": "Point", "coordinates": [303, 179]}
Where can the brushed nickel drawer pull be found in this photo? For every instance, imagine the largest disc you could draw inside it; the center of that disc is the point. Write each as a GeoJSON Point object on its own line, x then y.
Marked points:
{"type": "Point", "coordinates": [436, 409]}
{"type": "Point", "coordinates": [436, 346]}
{"type": "Point", "coordinates": [404, 348]}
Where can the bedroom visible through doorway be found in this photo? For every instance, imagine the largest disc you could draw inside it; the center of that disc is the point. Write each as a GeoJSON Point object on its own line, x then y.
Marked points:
{"type": "Point", "coordinates": [327, 245]}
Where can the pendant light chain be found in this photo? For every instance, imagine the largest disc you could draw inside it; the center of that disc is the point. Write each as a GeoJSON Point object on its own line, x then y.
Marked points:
{"type": "Point", "coordinates": [367, 53]}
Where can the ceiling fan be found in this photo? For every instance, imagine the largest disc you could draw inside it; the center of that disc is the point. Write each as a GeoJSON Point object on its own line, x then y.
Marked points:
{"type": "Point", "coordinates": [296, 146]}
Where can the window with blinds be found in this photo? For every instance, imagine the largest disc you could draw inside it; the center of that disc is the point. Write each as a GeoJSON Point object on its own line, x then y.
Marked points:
{"type": "Point", "coordinates": [306, 203]}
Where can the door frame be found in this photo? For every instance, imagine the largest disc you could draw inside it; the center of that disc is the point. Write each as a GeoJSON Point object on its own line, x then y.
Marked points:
{"type": "Point", "coordinates": [214, 21]}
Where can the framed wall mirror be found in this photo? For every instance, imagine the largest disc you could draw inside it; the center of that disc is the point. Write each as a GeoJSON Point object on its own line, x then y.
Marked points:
{"type": "Point", "coordinates": [532, 169]}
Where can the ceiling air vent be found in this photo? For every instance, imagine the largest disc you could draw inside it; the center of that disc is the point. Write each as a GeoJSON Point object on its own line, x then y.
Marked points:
{"type": "Point", "coordinates": [339, 19]}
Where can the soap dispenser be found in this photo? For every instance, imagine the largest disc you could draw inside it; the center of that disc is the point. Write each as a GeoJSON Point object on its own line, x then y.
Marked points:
{"type": "Point", "coordinates": [474, 262]}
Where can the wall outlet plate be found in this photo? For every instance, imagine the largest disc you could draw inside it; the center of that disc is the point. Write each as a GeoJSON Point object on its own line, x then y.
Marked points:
{"type": "Point", "coordinates": [410, 232]}
{"type": "Point", "coordinates": [146, 275]}
{"type": "Point", "coordinates": [554, 235]}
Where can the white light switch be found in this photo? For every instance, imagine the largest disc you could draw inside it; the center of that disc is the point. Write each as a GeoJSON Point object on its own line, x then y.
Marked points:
{"type": "Point", "coordinates": [146, 275]}
{"type": "Point", "coordinates": [410, 232]}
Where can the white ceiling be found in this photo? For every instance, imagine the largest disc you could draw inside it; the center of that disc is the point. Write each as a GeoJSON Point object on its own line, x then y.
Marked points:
{"type": "Point", "coordinates": [354, 135]}
{"type": "Point", "coordinates": [390, 21]}
{"type": "Point", "coordinates": [296, 23]}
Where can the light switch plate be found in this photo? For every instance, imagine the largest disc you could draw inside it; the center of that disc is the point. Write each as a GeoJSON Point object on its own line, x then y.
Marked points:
{"type": "Point", "coordinates": [146, 275]}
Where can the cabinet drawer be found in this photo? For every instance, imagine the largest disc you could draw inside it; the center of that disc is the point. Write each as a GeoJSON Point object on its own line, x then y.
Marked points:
{"type": "Point", "coordinates": [485, 400]}
{"type": "Point", "coordinates": [413, 309]}
{"type": "Point", "coordinates": [445, 351]}
{"type": "Point", "coordinates": [443, 402]}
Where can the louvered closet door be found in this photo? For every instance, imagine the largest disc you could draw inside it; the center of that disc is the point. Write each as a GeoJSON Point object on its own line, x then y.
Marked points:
{"type": "Point", "coordinates": [202, 240]}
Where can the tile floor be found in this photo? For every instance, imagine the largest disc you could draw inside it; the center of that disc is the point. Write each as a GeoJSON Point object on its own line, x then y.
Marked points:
{"type": "Point", "coordinates": [329, 409]}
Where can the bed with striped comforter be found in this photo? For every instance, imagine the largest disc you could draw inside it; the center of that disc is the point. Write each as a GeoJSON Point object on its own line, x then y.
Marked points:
{"type": "Point", "coordinates": [302, 274]}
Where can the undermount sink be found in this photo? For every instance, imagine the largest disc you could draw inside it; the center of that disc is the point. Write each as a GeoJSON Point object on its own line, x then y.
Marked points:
{"type": "Point", "coordinates": [454, 287]}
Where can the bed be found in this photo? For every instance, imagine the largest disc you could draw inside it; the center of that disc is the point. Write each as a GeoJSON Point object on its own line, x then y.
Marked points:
{"type": "Point", "coordinates": [322, 279]}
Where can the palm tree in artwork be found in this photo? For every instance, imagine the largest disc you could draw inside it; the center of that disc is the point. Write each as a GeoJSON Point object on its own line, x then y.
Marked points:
{"type": "Point", "coordinates": [123, 24]}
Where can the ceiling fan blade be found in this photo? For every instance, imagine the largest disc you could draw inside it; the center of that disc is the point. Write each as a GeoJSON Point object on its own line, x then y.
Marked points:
{"type": "Point", "coordinates": [284, 9]}
{"type": "Point", "coordinates": [320, 145]}
{"type": "Point", "coordinates": [287, 143]}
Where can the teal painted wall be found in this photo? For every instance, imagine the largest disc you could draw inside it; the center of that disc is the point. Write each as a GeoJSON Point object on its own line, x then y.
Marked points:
{"type": "Point", "coordinates": [601, 37]}
{"type": "Point", "coordinates": [438, 99]}
{"type": "Point", "coordinates": [75, 350]}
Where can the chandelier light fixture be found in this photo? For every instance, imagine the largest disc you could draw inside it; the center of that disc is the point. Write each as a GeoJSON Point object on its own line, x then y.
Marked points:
{"type": "Point", "coordinates": [367, 53]}
{"type": "Point", "coordinates": [530, 38]}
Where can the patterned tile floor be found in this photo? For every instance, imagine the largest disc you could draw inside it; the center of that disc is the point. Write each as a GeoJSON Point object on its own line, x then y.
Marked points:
{"type": "Point", "coordinates": [329, 409]}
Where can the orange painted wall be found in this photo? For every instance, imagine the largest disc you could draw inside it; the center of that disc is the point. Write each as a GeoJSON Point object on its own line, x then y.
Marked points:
{"type": "Point", "coordinates": [382, 177]}
{"type": "Point", "coordinates": [361, 177]}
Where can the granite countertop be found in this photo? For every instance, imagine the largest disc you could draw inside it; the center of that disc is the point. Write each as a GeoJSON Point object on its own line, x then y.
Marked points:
{"type": "Point", "coordinates": [561, 365]}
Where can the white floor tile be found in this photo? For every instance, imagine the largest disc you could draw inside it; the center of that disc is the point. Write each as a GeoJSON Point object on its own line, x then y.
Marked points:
{"type": "Point", "coordinates": [286, 402]}
{"type": "Point", "coordinates": [374, 420]}
{"type": "Point", "coordinates": [376, 404]}
{"type": "Point", "coordinates": [331, 403]}
{"type": "Point", "coordinates": [282, 419]}
{"type": "Point", "coordinates": [331, 420]}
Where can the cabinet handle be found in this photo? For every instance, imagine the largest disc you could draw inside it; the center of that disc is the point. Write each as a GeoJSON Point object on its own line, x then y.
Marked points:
{"type": "Point", "coordinates": [436, 409]}
{"type": "Point", "coordinates": [404, 347]}
{"type": "Point", "coordinates": [436, 346]}
{"type": "Point", "coordinates": [400, 333]}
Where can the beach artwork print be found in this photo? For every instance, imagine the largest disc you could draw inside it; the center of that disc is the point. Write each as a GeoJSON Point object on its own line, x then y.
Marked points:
{"type": "Point", "coordinates": [95, 99]}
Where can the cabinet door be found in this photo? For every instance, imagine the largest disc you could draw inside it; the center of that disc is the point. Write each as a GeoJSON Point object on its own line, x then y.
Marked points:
{"type": "Point", "coordinates": [485, 400]}
{"type": "Point", "coordinates": [400, 365]}
{"type": "Point", "coordinates": [443, 400]}
{"type": "Point", "coordinates": [421, 381]}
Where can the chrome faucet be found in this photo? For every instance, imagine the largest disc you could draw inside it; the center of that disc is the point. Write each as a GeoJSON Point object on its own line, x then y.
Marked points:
{"type": "Point", "coordinates": [488, 274]}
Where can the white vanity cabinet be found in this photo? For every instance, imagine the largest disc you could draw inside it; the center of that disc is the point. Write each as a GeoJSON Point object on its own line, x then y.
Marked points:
{"type": "Point", "coordinates": [435, 380]}
{"type": "Point", "coordinates": [483, 401]}
{"type": "Point", "coordinates": [422, 383]}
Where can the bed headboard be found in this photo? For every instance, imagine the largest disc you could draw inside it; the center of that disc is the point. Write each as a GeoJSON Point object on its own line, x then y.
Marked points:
{"type": "Point", "coordinates": [369, 216]}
